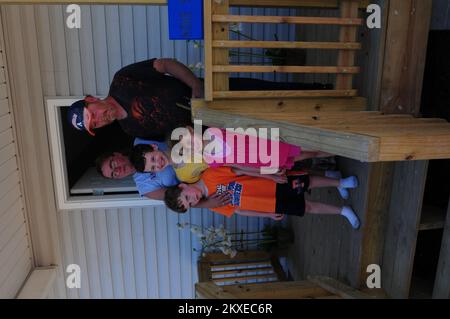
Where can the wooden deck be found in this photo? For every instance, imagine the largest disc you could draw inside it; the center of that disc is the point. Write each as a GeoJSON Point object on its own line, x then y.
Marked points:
{"type": "Point", "coordinates": [327, 245]}
{"type": "Point", "coordinates": [389, 199]}
{"type": "Point", "coordinates": [393, 217]}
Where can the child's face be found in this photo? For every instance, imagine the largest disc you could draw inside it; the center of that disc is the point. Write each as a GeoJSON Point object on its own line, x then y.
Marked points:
{"type": "Point", "coordinates": [155, 161]}
{"type": "Point", "coordinates": [190, 195]}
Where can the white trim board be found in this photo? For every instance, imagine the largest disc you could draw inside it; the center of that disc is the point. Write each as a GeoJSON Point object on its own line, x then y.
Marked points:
{"type": "Point", "coordinates": [39, 283]}
{"type": "Point", "coordinates": [59, 170]}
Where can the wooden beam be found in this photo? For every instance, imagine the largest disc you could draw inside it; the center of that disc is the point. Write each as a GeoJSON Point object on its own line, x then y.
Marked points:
{"type": "Point", "coordinates": [337, 288]}
{"type": "Point", "coordinates": [287, 45]}
{"type": "Point", "coordinates": [284, 69]}
{"type": "Point", "coordinates": [286, 19]}
{"type": "Point", "coordinates": [220, 55]}
{"type": "Point", "coordinates": [404, 56]}
{"type": "Point", "coordinates": [408, 148]}
{"type": "Point", "coordinates": [285, 105]}
{"type": "Point", "coordinates": [376, 41]}
{"type": "Point", "coordinates": [283, 94]}
{"type": "Point", "coordinates": [349, 9]}
{"type": "Point", "coordinates": [402, 225]}
{"type": "Point", "coordinates": [204, 271]}
{"type": "Point", "coordinates": [272, 290]}
{"type": "Point", "coordinates": [360, 147]}
{"type": "Point", "coordinates": [293, 3]}
{"type": "Point", "coordinates": [209, 290]}
{"type": "Point", "coordinates": [374, 225]}
{"type": "Point", "coordinates": [208, 38]}
{"type": "Point", "coordinates": [278, 290]}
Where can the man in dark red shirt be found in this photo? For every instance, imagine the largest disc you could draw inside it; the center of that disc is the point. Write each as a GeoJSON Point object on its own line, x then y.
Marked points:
{"type": "Point", "coordinates": [151, 98]}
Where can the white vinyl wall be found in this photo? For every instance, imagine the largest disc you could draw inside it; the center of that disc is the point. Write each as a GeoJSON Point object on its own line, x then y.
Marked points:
{"type": "Point", "coordinates": [15, 252]}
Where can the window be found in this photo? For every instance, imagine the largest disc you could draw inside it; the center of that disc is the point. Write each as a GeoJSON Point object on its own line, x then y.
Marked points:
{"type": "Point", "coordinates": [73, 153]}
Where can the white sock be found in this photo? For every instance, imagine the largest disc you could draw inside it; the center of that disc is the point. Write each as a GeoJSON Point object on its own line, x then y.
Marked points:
{"type": "Point", "coordinates": [349, 182]}
{"type": "Point", "coordinates": [337, 175]}
{"type": "Point", "coordinates": [348, 213]}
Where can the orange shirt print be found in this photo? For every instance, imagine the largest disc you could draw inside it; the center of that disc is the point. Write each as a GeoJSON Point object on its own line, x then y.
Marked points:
{"type": "Point", "coordinates": [248, 192]}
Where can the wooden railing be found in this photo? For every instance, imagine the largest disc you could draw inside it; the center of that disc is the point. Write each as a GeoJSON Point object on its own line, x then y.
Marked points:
{"type": "Point", "coordinates": [217, 44]}
{"type": "Point", "coordinates": [333, 121]}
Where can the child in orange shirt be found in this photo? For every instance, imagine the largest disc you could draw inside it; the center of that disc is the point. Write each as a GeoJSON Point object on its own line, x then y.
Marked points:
{"type": "Point", "coordinates": [256, 196]}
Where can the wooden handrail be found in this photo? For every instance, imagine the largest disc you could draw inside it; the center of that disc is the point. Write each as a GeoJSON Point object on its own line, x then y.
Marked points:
{"type": "Point", "coordinates": [286, 45]}
{"type": "Point", "coordinates": [283, 94]}
{"type": "Point", "coordinates": [285, 69]}
{"type": "Point", "coordinates": [285, 19]}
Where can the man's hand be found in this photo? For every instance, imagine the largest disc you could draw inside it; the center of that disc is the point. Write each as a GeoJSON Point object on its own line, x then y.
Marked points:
{"type": "Point", "coordinates": [215, 201]}
{"type": "Point", "coordinates": [197, 90]}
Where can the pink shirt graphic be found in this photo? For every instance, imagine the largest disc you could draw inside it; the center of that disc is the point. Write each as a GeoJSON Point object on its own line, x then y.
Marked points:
{"type": "Point", "coordinates": [251, 151]}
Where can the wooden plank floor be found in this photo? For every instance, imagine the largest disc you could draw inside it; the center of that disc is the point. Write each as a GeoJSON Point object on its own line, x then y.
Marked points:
{"type": "Point", "coordinates": [327, 245]}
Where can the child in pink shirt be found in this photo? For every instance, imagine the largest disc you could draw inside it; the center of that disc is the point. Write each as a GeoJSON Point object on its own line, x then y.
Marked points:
{"type": "Point", "coordinates": [254, 156]}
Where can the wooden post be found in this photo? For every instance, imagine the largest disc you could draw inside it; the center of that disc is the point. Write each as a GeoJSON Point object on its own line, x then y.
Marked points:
{"type": "Point", "coordinates": [220, 55]}
{"type": "Point", "coordinates": [349, 9]}
{"type": "Point", "coordinates": [208, 38]}
{"type": "Point", "coordinates": [404, 57]}
{"type": "Point", "coordinates": [373, 231]}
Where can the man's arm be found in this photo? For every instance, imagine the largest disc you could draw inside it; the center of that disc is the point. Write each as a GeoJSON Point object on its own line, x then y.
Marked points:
{"type": "Point", "coordinates": [182, 73]}
{"type": "Point", "coordinates": [252, 213]}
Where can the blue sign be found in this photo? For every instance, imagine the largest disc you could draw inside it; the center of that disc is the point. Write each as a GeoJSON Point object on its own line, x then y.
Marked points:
{"type": "Point", "coordinates": [185, 19]}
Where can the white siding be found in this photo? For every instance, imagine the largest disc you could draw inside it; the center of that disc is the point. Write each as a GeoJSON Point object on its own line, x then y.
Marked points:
{"type": "Point", "coordinates": [123, 253]}
{"type": "Point", "coordinates": [15, 252]}
{"type": "Point", "coordinates": [136, 253]}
